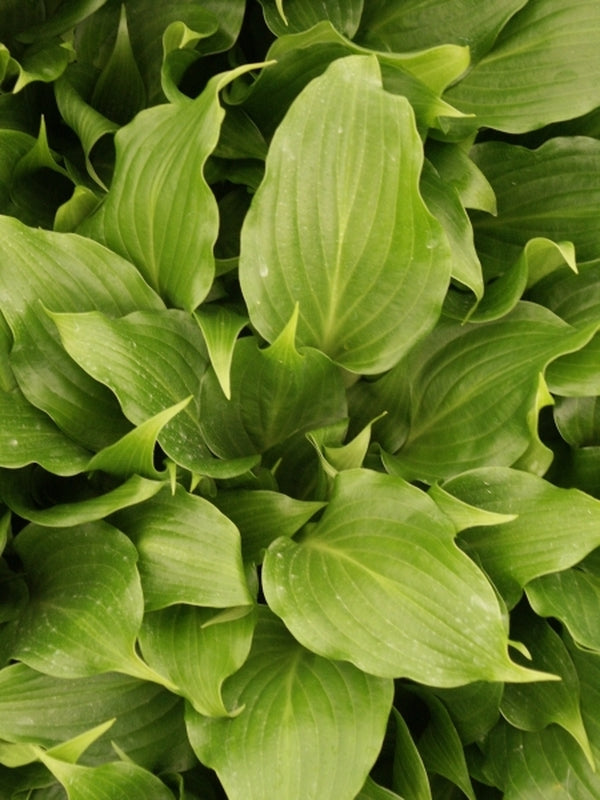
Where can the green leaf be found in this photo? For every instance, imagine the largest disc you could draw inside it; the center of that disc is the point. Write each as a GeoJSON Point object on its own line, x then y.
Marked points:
{"type": "Point", "coordinates": [25, 493]}
{"type": "Point", "coordinates": [189, 552]}
{"type": "Point", "coordinates": [119, 92]}
{"type": "Point", "coordinates": [46, 710]}
{"type": "Point", "coordinates": [300, 57]}
{"type": "Point", "coordinates": [457, 168]}
{"type": "Point", "coordinates": [263, 516]}
{"type": "Point", "coordinates": [119, 780]}
{"type": "Point", "coordinates": [349, 240]}
{"type": "Point", "coordinates": [446, 414]}
{"type": "Point", "coordinates": [372, 791]}
{"type": "Point", "coordinates": [85, 601]}
{"type": "Point", "coordinates": [72, 750]}
{"type": "Point", "coordinates": [555, 528]}
{"type": "Point", "coordinates": [196, 652]}
{"type": "Point", "coordinates": [44, 61]}
{"type": "Point", "coordinates": [63, 19]}
{"type": "Point", "coordinates": [277, 391]}
{"type": "Point", "coordinates": [282, 744]}
{"type": "Point", "coordinates": [418, 24]}
{"type": "Point", "coordinates": [441, 748]}
{"type": "Point", "coordinates": [547, 62]}
{"type": "Point", "coordinates": [572, 596]}
{"type": "Point", "coordinates": [134, 453]}
{"type": "Point", "coordinates": [160, 212]}
{"type": "Point", "coordinates": [575, 298]}
{"type": "Point", "coordinates": [535, 706]}
{"type": "Point", "coordinates": [444, 203]}
{"type": "Point", "coordinates": [151, 361]}
{"type": "Point", "coordinates": [368, 553]}
{"type": "Point", "coordinates": [538, 765]}
{"type": "Point", "coordinates": [27, 436]}
{"type": "Point", "coordinates": [551, 192]}
{"type": "Point", "coordinates": [220, 327]}
{"type": "Point", "coordinates": [409, 773]}
{"type": "Point", "coordinates": [301, 15]}
{"type": "Point", "coordinates": [66, 273]}
{"type": "Point", "coordinates": [474, 708]}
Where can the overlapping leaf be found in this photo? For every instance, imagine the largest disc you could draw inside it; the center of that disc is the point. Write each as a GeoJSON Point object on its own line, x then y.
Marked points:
{"type": "Point", "coordinates": [281, 743]}
{"type": "Point", "coordinates": [543, 67]}
{"type": "Point", "coordinates": [383, 544]}
{"type": "Point", "coordinates": [339, 228]}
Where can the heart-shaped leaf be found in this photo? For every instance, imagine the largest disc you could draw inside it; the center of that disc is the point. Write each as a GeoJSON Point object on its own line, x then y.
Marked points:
{"type": "Point", "coordinates": [351, 241]}
{"type": "Point", "coordinates": [383, 544]}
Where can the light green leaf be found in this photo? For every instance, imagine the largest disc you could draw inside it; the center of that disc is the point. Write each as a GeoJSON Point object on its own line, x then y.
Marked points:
{"type": "Point", "coordinates": [189, 552]}
{"type": "Point", "coordinates": [263, 516]}
{"type": "Point", "coordinates": [72, 750]}
{"type": "Point", "coordinates": [74, 210]}
{"type": "Point", "coordinates": [46, 710]}
{"type": "Point", "coordinates": [310, 727]}
{"type": "Point", "coordinates": [85, 601]}
{"type": "Point", "coordinates": [535, 706]}
{"type": "Point", "coordinates": [445, 412]}
{"type": "Point", "coordinates": [118, 780]}
{"type": "Point", "coordinates": [410, 775]}
{"type": "Point", "coordinates": [578, 420]}
{"type": "Point", "coordinates": [151, 361]}
{"type": "Point", "coordinates": [66, 273]}
{"type": "Point", "coordinates": [462, 514]}
{"type": "Point", "coordinates": [418, 24]}
{"type": "Point", "coordinates": [42, 61]}
{"type": "Point", "coordinates": [367, 553]}
{"type": "Point", "coordinates": [27, 436]}
{"type": "Point", "coordinates": [551, 192]}
{"type": "Point", "coordinates": [160, 212]}
{"type": "Point", "coordinates": [178, 43]}
{"type": "Point", "coordinates": [134, 453]}
{"type": "Point", "coordinates": [196, 652]}
{"type": "Point", "coordinates": [547, 62]}
{"type": "Point", "coordinates": [277, 391]}
{"type": "Point", "coordinates": [573, 597]}
{"type": "Point", "coordinates": [338, 226]}
{"type": "Point", "coordinates": [372, 791]}
{"type": "Point", "coordinates": [554, 529]}
{"type": "Point", "coordinates": [588, 671]}
{"type": "Point", "coordinates": [220, 327]}
{"type": "Point", "coordinates": [24, 493]}
{"type": "Point", "coordinates": [300, 15]}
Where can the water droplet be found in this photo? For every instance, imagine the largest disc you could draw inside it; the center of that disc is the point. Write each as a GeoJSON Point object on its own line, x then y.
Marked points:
{"type": "Point", "coordinates": [13, 442]}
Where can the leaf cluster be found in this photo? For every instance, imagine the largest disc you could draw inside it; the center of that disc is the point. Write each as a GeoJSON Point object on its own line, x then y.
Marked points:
{"type": "Point", "coordinates": [299, 380]}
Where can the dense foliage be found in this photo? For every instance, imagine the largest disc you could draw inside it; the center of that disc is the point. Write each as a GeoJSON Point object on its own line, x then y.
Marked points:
{"type": "Point", "coordinates": [299, 419]}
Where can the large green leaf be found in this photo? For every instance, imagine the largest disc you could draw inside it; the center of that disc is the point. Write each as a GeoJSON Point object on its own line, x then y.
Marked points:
{"type": "Point", "coordinates": [310, 727]}
{"type": "Point", "coordinates": [384, 545]}
{"type": "Point", "coordinates": [555, 528]}
{"type": "Point", "coordinates": [151, 361]}
{"type": "Point", "coordinates": [418, 24]}
{"type": "Point", "coordinates": [552, 192]}
{"type": "Point", "coordinates": [85, 601]}
{"type": "Point", "coordinates": [196, 652]}
{"type": "Point", "coordinates": [338, 225]}
{"type": "Point", "coordinates": [469, 395]}
{"type": "Point", "coordinates": [544, 67]}
{"type": "Point", "coordinates": [46, 710]}
{"type": "Point", "coordinates": [189, 552]}
{"type": "Point", "coordinates": [160, 212]}
{"type": "Point", "coordinates": [409, 773]}
{"type": "Point", "coordinates": [64, 272]}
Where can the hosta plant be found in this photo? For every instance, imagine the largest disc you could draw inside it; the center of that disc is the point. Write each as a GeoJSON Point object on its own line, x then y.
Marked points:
{"type": "Point", "coordinates": [299, 417]}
